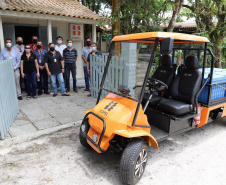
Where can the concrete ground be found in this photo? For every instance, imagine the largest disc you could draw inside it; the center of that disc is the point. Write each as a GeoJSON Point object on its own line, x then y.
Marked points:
{"type": "Point", "coordinates": [196, 157]}
{"type": "Point", "coordinates": [48, 112]}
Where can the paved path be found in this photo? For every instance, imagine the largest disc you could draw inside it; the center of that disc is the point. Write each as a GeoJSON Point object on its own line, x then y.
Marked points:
{"type": "Point", "coordinates": [48, 112]}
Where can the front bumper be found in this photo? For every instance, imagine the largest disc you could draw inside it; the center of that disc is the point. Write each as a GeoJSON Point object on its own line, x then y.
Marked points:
{"type": "Point", "coordinates": [97, 145]}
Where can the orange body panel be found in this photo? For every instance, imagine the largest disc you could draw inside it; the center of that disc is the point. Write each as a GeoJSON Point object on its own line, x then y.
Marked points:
{"type": "Point", "coordinates": [205, 113]}
{"type": "Point", "coordinates": [118, 113]}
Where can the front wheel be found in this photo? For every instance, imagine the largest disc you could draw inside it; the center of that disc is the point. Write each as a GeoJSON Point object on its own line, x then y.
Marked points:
{"type": "Point", "coordinates": [133, 161]}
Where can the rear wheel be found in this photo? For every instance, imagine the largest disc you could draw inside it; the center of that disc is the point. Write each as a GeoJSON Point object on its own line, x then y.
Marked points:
{"type": "Point", "coordinates": [133, 161]}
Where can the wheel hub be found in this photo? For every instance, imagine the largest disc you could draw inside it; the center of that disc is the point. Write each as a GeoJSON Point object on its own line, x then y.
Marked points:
{"type": "Point", "coordinates": [141, 163]}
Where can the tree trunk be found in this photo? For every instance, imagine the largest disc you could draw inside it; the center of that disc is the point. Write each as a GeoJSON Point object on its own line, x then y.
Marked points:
{"type": "Point", "coordinates": [218, 55]}
{"type": "Point", "coordinates": [115, 13]}
{"type": "Point", "coordinates": [176, 10]}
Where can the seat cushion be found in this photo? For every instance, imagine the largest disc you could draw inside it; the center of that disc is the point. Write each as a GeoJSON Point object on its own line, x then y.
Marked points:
{"type": "Point", "coordinates": [153, 102]}
{"type": "Point", "coordinates": [174, 107]}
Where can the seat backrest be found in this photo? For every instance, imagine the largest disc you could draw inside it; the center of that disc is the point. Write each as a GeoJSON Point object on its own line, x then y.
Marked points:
{"type": "Point", "coordinates": [165, 72]}
{"type": "Point", "coordinates": [188, 82]}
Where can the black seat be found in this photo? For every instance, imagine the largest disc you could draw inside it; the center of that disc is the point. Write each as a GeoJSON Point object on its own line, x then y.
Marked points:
{"type": "Point", "coordinates": [165, 73]}
{"type": "Point", "coordinates": [183, 89]}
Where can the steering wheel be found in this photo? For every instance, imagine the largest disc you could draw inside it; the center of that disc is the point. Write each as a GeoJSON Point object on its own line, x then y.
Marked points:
{"type": "Point", "coordinates": [157, 84]}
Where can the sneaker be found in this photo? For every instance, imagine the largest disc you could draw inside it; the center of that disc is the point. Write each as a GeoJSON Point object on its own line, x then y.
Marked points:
{"type": "Point", "coordinates": [35, 97]}
{"type": "Point", "coordinates": [28, 97]}
{"type": "Point", "coordinates": [67, 90]}
{"type": "Point", "coordinates": [86, 89]}
{"type": "Point", "coordinates": [54, 95]}
{"type": "Point", "coordinates": [66, 94]}
{"type": "Point", "coordinates": [39, 93]}
{"type": "Point", "coordinates": [89, 95]}
{"type": "Point", "coordinates": [76, 90]}
{"type": "Point", "coordinates": [20, 98]}
{"type": "Point", "coordinates": [46, 92]}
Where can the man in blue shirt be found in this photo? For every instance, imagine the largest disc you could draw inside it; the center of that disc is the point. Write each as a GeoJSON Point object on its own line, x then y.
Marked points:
{"type": "Point", "coordinates": [43, 80]}
{"type": "Point", "coordinates": [85, 52]}
{"type": "Point", "coordinates": [70, 55]}
{"type": "Point", "coordinates": [19, 45]}
{"type": "Point", "coordinates": [10, 53]}
{"type": "Point", "coordinates": [96, 53]}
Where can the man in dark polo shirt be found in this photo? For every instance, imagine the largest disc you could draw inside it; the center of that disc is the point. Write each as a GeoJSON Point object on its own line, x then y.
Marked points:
{"type": "Point", "coordinates": [54, 65]}
{"type": "Point", "coordinates": [70, 57]}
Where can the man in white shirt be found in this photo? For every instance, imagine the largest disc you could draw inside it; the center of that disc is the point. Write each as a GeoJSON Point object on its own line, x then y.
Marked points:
{"type": "Point", "coordinates": [60, 46]}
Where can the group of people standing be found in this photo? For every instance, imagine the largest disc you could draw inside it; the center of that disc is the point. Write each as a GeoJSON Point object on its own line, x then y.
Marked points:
{"type": "Point", "coordinates": [35, 64]}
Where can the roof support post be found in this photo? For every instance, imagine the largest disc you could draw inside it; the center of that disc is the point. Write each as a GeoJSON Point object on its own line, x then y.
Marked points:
{"type": "Point", "coordinates": [94, 33]}
{"type": "Point", "coordinates": [49, 31]}
{"type": "Point", "coordinates": [2, 44]}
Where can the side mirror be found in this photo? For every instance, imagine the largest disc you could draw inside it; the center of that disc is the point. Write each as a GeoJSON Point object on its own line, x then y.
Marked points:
{"type": "Point", "coordinates": [124, 90]}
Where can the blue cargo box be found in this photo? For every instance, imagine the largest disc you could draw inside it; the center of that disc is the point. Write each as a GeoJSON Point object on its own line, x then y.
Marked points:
{"type": "Point", "coordinates": [218, 91]}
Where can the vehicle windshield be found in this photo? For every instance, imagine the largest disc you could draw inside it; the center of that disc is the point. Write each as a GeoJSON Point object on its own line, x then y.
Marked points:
{"type": "Point", "coordinates": [129, 64]}
{"type": "Point", "coordinates": [127, 69]}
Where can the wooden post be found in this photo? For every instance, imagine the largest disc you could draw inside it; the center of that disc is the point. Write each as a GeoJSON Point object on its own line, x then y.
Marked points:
{"type": "Point", "coordinates": [2, 42]}
{"type": "Point", "coordinates": [49, 31]}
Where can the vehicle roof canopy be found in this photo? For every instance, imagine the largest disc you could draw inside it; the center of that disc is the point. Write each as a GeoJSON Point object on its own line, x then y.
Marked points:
{"type": "Point", "coordinates": [149, 37]}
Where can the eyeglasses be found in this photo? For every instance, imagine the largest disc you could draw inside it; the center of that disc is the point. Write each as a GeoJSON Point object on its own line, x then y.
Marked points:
{"type": "Point", "coordinates": [27, 48]}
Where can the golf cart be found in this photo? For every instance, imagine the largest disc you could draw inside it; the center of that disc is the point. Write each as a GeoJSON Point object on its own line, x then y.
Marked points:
{"type": "Point", "coordinates": [172, 99]}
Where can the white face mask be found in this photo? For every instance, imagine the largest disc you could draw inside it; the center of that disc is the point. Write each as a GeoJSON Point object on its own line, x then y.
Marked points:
{"type": "Point", "coordinates": [59, 41]}
{"type": "Point", "coordinates": [8, 45]}
{"type": "Point", "coordinates": [69, 44]}
{"type": "Point", "coordinates": [93, 48]}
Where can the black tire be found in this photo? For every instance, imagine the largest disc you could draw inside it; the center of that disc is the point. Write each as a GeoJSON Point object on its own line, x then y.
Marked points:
{"type": "Point", "coordinates": [131, 165]}
{"type": "Point", "coordinates": [83, 140]}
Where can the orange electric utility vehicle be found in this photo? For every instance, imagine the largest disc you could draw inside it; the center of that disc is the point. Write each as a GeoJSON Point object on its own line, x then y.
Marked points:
{"type": "Point", "coordinates": [175, 98]}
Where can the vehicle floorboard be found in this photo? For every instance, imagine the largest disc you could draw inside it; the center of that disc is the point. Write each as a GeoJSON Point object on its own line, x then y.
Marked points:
{"type": "Point", "coordinates": [158, 134]}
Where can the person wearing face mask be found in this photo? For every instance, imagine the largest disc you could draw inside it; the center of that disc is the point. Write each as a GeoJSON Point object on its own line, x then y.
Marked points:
{"type": "Point", "coordinates": [34, 43]}
{"type": "Point", "coordinates": [29, 70]}
{"type": "Point", "coordinates": [70, 57]}
{"type": "Point", "coordinates": [43, 81]}
{"type": "Point", "coordinates": [54, 65]}
{"type": "Point", "coordinates": [96, 53]}
{"type": "Point", "coordinates": [85, 52]}
{"type": "Point", "coordinates": [19, 45]}
{"type": "Point", "coordinates": [59, 45]}
{"type": "Point", "coordinates": [11, 53]}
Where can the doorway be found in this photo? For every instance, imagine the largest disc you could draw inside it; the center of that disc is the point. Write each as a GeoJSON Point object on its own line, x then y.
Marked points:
{"type": "Point", "coordinates": [26, 32]}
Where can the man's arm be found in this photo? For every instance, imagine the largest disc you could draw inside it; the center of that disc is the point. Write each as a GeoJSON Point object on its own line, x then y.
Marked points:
{"type": "Point", "coordinates": [76, 55]}
{"type": "Point", "coordinates": [37, 68]}
{"type": "Point", "coordinates": [18, 58]}
{"type": "Point", "coordinates": [46, 64]}
{"type": "Point", "coordinates": [84, 59]}
{"type": "Point", "coordinates": [62, 64]}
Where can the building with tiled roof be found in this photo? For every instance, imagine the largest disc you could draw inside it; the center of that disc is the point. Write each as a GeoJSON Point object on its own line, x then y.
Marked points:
{"type": "Point", "coordinates": [48, 19]}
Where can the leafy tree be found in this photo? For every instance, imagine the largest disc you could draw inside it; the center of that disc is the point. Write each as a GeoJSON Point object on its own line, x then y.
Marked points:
{"type": "Point", "coordinates": [210, 16]}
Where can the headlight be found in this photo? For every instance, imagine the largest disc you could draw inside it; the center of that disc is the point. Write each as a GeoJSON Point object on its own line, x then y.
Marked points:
{"type": "Point", "coordinates": [83, 127]}
{"type": "Point", "coordinates": [95, 138]}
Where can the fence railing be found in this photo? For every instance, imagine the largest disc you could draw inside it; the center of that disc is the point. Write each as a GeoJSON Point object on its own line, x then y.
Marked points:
{"type": "Point", "coordinates": [114, 76]}
{"type": "Point", "coordinates": [9, 107]}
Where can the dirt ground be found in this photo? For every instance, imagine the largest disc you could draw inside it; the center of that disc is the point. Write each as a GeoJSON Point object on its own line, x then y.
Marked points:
{"type": "Point", "coordinates": [196, 157]}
